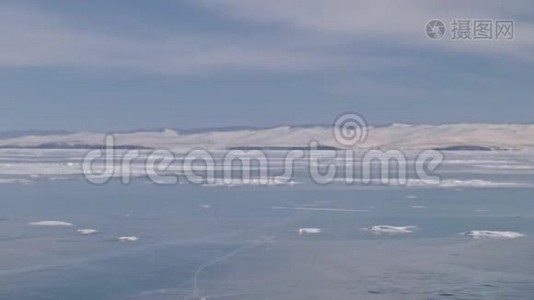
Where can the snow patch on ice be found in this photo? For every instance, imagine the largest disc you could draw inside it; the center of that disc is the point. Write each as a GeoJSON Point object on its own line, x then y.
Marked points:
{"type": "Point", "coordinates": [488, 234]}
{"type": "Point", "coordinates": [455, 183]}
{"type": "Point", "coordinates": [50, 223]}
{"type": "Point", "coordinates": [418, 206]}
{"type": "Point", "coordinates": [86, 231]}
{"type": "Point", "coordinates": [309, 230]}
{"type": "Point", "coordinates": [389, 229]}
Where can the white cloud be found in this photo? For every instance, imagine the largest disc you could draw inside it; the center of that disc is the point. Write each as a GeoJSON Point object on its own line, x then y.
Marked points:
{"type": "Point", "coordinates": [397, 23]}
{"type": "Point", "coordinates": [35, 38]}
{"type": "Point", "coordinates": [306, 35]}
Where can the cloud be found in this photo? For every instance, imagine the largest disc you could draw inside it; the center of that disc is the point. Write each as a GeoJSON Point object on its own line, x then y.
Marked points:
{"type": "Point", "coordinates": [302, 36]}
{"type": "Point", "coordinates": [36, 38]}
{"type": "Point", "coordinates": [397, 23]}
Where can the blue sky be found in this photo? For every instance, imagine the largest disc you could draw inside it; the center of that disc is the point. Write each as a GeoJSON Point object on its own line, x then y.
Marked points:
{"type": "Point", "coordinates": [125, 65]}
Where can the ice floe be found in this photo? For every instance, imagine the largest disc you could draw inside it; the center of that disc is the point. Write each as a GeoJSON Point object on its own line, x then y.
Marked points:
{"type": "Point", "coordinates": [270, 181]}
{"type": "Point", "coordinates": [309, 230]}
{"type": "Point", "coordinates": [488, 234]}
{"type": "Point", "coordinates": [456, 183]}
{"type": "Point", "coordinates": [389, 229]}
{"type": "Point", "coordinates": [50, 223]}
{"type": "Point", "coordinates": [86, 231]}
{"type": "Point", "coordinates": [128, 239]}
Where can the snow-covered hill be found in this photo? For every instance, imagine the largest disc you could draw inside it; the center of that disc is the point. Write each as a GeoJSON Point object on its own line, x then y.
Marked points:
{"type": "Point", "coordinates": [402, 136]}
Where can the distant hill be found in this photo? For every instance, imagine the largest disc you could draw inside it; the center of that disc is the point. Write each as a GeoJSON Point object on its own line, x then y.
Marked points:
{"type": "Point", "coordinates": [18, 133]}
{"type": "Point", "coordinates": [448, 137]}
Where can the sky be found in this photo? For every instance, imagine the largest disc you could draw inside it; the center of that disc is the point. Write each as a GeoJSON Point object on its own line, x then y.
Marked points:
{"type": "Point", "coordinates": [129, 64]}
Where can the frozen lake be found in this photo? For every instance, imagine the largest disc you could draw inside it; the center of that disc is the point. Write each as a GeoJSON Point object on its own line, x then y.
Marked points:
{"type": "Point", "coordinates": [186, 241]}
